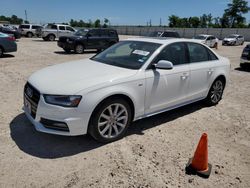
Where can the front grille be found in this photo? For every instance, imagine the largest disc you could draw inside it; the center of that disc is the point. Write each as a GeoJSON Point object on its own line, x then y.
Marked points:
{"type": "Point", "coordinates": [33, 96]}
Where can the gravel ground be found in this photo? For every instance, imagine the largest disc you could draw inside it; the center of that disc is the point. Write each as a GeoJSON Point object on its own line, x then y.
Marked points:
{"type": "Point", "coordinates": [153, 153]}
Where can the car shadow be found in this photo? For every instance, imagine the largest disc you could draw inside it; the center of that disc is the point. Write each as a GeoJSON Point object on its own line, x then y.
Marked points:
{"type": "Point", "coordinates": [7, 56]}
{"type": "Point", "coordinates": [44, 145]}
{"type": "Point", "coordinates": [245, 69]}
{"type": "Point", "coordinates": [72, 52]}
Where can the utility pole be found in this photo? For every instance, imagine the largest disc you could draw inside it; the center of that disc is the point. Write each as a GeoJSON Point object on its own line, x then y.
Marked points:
{"type": "Point", "coordinates": [160, 22]}
{"type": "Point", "coordinates": [150, 23]}
{"type": "Point", "coordinates": [26, 15]}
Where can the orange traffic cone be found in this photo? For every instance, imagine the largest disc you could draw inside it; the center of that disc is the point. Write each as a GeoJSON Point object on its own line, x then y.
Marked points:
{"type": "Point", "coordinates": [199, 163]}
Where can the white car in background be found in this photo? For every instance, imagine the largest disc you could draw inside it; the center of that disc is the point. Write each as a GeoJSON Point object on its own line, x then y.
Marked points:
{"type": "Point", "coordinates": [132, 79]}
{"type": "Point", "coordinates": [209, 40]}
{"type": "Point", "coordinates": [234, 39]}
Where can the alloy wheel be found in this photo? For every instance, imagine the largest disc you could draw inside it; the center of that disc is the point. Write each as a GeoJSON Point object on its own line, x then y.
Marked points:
{"type": "Point", "coordinates": [216, 92]}
{"type": "Point", "coordinates": [113, 120]}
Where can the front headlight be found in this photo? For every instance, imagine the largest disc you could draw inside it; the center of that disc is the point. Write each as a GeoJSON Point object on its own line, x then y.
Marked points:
{"type": "Point", "coordinates": [63, 100]}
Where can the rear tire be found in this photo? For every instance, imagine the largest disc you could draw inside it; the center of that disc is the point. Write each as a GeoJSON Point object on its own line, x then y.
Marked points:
{"type": "Point", "coordinates": [79, 49]}
{"type": "Point", "coordinates": [1, 51]}
{"type": "Point", "coordinates": [29, 35]}
{"type": "Point", "coordinates": [215, 93]}
{"type": "Point", "coordinates": [51, 37]}
{"type": "Point", "coordinates": [110, 120]}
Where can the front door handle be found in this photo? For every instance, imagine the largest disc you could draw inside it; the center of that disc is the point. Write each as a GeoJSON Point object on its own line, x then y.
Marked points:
{"type": "Point", "coordinates": [210, 71]}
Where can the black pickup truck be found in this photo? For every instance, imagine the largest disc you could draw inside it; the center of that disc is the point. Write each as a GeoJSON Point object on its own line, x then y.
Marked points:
{"type": "Point", "coordinates": [99, 39]}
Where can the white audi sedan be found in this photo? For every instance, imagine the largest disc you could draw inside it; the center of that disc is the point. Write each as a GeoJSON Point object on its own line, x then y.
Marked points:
{"type": "Point", "coordinates": [132, 79]}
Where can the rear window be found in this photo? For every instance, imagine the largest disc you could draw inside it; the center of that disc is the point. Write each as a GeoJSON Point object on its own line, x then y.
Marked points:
{"type": "Point", "coordinates": [171, 34]}
{"type": "Point", "coordinates": [112, 33]}
{"type": "Point", "coordinates": [61, 28]}
{"type": "Point", "coordinates": [24, 26]}
{"type": "Point", "coordinates": [35, 26]}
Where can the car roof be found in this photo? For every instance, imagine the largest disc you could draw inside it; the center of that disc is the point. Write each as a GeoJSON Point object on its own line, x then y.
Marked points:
{"type": "Point", "coordinates": [205, 35]}
{"type": "Point", "coordinates": [161, 40]}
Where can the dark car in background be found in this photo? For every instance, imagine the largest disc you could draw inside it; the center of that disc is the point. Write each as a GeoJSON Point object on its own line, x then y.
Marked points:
{"type": "Point", "coordinates": [11, 31]}
{"type": "Point", "coordinates": [245, 57]}
{"type": "Point", "coordinates": [99, 39]}
{"type": "Point", "coordinates": [7, 44]}
{"type": "Point", "coordinates": [168, 34]}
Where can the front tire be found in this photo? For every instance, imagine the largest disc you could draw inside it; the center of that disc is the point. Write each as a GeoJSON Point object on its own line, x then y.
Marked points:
{"type": "Point", "coordinates": [79, 49]}
{"type": "Point", "coordinates": [110, 120]}
{"type": "Point", "coordinates": [215, 93]}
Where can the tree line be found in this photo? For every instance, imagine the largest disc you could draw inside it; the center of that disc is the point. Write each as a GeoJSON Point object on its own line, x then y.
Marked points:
{"type": "Point", "coordinates": [232, 18]}
{"type": "Point", "coordinates": [97, 23]}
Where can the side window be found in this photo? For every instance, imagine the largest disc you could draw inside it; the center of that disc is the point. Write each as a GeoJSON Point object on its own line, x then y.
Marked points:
{"type": "Point", "coordinates": [197, 53]}
{"type": "Point", "coordinates": [174, 53]}
{"type": "Point", "coordinates": [212, 56]}
{"type": "Point", "coordinates": [35, 27]}
{"type": "Point", "coordinates": [212, 37]}
{"type": "Point", "coordinates": [112, 33]}
{"type": "Point", "coordinates": [70, 29]}
{"type": "Point", "coordinates": [62, 28]}
{"type": "Point", "coordinates": [208, 38]}
{"type": "Point", "coordinates": [53, 27]}
{"type": "Point", "coordinates": [94, 33]}
{"type": "Point", "coordinates": [104, 33]}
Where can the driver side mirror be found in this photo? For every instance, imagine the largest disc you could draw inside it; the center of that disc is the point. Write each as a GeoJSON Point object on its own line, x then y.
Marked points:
{"type": "Point", "coordinates": [163, 64]}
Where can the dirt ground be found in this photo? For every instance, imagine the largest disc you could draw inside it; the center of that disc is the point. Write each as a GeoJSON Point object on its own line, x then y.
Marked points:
{"type": "Point", "coordinates": [153, 153]}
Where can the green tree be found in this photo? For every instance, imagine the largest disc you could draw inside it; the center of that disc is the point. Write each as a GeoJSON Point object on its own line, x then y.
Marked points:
{"type": "Point", "coordinates": [97, 23]}
{"type": "Point", "coordinates": [194, 22]}
{"type": "Point", "coordinates": [106, 22]}
{"type": "Point", "coordinates": [173, 21]}
{"type": "Point", "coordinates": [234, 12]}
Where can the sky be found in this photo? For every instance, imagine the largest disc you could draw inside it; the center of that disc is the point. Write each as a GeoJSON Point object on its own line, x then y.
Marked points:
{"type": "Point", "coordinates": [119, 12]}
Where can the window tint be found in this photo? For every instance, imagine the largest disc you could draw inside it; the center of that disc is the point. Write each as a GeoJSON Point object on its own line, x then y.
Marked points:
{"type": "Point", "coordinates": [197, 53]}
{"type": "Point", "coordinates": [24, 26]}
{"type": "Point", "coordinates": [35, 27]}
{"type": "Point", "coordinates": [212, 37]}
{"type": "Point", "coordinates": [62, 28]}
{"type": "Point", "coordinates": [112, 33]}
{"type": "Point", "coordinates": [93, 33]}
{"type": "Point", "coordinates": [212, 56]}
{"type": "Point", "coordinates": [171, 34]}
{"type": "Point", "coordinates": [70, 29]}
{"type": "Point", "coordinates": [104, 33]}
{"type": "Point", "coordinates": [174, 53]}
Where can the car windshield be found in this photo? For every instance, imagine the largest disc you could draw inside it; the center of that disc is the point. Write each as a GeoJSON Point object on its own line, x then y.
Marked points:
{"type": "Point", "coordinates": [127, 54]}
{"type": "Point", "coordinates": [81, 32]}
{"type": "Point", "coordinates": [155, 34]}
{"type": "Point", "coordinates": [231, 36]}
{"type": "Point", "coordinates": [200, 37]}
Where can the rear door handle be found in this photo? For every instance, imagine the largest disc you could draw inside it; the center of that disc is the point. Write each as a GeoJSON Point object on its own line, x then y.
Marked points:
{"type": "Point", "coordinates": [184, 76]}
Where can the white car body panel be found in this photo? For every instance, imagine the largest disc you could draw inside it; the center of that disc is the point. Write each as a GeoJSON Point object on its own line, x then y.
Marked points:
{"type": "Point", "coordinates": [151, 91]}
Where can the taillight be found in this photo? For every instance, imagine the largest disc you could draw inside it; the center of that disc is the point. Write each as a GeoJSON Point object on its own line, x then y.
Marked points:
{"type": "Point", "coordinates": [11, 38]}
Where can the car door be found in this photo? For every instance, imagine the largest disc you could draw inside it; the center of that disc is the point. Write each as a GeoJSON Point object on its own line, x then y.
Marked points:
{"type": "Point", "coordinates": [62, 31]}
{"type": "Point", "coordinates": [70, 31]}
{"type": "Point", "coordinates": [93, 37]}
{"type": "Point", "coordinates": [213, 41]}
{"type": "Point", "coordinates": [167, 88]}
{"type": "Point", "coordinates": [208, 41]}
{"type": "Point", "coordinates": [202, 66]}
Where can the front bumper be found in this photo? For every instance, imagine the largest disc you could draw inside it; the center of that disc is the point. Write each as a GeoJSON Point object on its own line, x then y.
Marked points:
{"type": "Point", "coordinates": [244, 61]}
{"type": "Point", "coordinates": [224, 42]}
{"type": "Point", "coordinates": [76, 121]}
{"type": "Point", "coordinates": [66, 45]}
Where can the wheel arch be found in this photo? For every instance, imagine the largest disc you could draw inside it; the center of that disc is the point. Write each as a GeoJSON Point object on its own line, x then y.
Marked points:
{"type": "Point", "coordinates": [123, 96]}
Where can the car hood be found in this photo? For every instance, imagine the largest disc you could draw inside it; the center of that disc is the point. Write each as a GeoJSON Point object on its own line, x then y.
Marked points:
{"type": "Point", "coordinates": [72, 77]}
{"type": "Point", "coordinates": [229, 39]}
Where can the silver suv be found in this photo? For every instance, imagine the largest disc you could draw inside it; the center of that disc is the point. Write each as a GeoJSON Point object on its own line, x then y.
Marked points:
{"type": "Point", "coordinates": [29, 30]}
{"type": "Point", "coordinates": [52, 31]}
